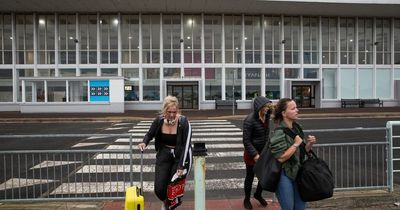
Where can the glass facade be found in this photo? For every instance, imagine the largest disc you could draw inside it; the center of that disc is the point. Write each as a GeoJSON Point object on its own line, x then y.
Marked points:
{"type": "Point", "coordinates": [48, 57]}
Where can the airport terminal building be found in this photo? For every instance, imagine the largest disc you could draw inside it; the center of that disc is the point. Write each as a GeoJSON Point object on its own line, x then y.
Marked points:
{"type": "Point", "coordinates": [117, 55]}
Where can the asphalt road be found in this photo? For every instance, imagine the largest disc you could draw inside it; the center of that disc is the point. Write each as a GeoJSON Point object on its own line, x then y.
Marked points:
{"type": "Point", "coordinates": [66, 143]}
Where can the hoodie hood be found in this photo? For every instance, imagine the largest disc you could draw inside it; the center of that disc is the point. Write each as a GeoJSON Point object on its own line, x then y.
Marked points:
{"type": "Point", "coordinates": [259, 102]}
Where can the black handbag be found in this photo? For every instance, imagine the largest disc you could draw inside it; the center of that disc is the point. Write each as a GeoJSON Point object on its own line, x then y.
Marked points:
{"type": "Point", "coordinates": [268, 170]}
{"type": "Point", "coordinates": [314, 179]}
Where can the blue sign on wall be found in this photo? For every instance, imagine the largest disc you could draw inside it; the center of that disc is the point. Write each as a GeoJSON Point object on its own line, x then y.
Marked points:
{"type": "Point", "coordinates": [99, 90]}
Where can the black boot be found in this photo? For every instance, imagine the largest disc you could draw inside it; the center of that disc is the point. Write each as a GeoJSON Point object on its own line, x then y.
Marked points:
{"type": "Point", "coordinates": [261, 200]}
{"type": "Point", "coordinates": [247, 204]}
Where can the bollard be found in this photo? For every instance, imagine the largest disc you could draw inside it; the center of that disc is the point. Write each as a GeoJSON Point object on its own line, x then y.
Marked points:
{"type": "Point", "coordinates": [199, 153]}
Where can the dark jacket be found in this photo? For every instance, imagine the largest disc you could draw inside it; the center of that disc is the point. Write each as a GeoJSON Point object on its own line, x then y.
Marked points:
{"type": "Point", "coordinates": [255, 134]}
{"type": "Point", "coordinates": [183, 149]}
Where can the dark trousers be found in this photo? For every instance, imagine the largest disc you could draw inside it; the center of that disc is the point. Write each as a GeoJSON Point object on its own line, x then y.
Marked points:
{"type": "Point", "coordinates": [248, 183]}
{"type": "Point", "coordinates": [166, 165]}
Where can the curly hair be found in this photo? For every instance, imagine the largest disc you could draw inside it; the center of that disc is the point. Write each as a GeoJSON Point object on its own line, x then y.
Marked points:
{"type": "Point", "coordinates": [281, 106]}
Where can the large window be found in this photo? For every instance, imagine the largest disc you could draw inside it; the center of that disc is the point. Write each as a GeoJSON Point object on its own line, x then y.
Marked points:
{"type": "Point", "coordinates": [348, 83]}
{"type": "Point", "coordinates": [383, 41]}
{"type": "Point", "coordinates": [67, 39]}
{"type": "Point", "coordinates": [56, 91]}
{"type": "Point", "coordinates": [252, 39]}
{"type": "Point", "coordinates": [365, 83]}
{"type": "Point", "coordinates": [253, 83]}
{"type": "Point", "coordinates": [292, 40]}
{"type": "Point", "coordinates": [151, 84]}
{"type": "Point", "coordinates": [272, 83]}
{"type": "Point", "coordinates": [212, 39]}
{"type": "Point", "coordinates": [172, 38]}
{"type": "Point", "coordinates": [109, 38]}
{"type": "Point", "coordinates": [130, 38]}
{"type": "Point", "coordinates": [24, 73]}
{"type": "Point", "coordinates": [233, 83]}
{"type": "Point", "coordinates": [212, 83]}
{"type": "Point", "coordinates": [383, 83]}
{"type": "Point", "coordinates": [233, 39]}
{"type": "Point", "coordinates": [6, 85]}
{"type": "Point", "coordinates": [347, 40]}
{"type": "Point", "coordinates": [78, 91]}
{"type": "Point", "coordinates": [5, 39]}
{"type": "Point", "coordinates": [151, 38]}
{"type": "Point", "coordinates": [272, 36]}
{"type": "Point", "coordinates": [192, 38]}
{"type": "Point", "coordinates": [365, 40]}
{"type": "Point", "coordinates": [46, 39]}
{"type": "Point", "coordinates": [131, 86]}
{"type": "Point", "coordinates": [310, 40]}
{"type": "Point", "coordinates": [329, 40]}
{"type": "Point", "coordinates": [329, 83]}
{"type": "Point", "coordinates": [24, 39]}
{"type": "Point", "coordinates": [397, 41]}
{"type": "Point", "coordinates": [88, 39]}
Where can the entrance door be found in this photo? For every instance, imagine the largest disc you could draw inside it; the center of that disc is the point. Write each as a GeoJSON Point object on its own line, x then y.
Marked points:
{"type": "Point", "coordinates": [304, 95]}
{"type": "Point", "coordinates": [186, 92]}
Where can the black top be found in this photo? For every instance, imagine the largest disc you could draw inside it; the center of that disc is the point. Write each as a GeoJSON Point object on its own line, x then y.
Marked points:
{"type": "Point", "coordinates": [168, 139]}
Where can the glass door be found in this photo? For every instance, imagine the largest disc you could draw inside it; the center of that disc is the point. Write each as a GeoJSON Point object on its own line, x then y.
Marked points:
{"type": "Point", "coordinates": [304, 95]}
{"type": "Point", "coordinates": [186, 92]}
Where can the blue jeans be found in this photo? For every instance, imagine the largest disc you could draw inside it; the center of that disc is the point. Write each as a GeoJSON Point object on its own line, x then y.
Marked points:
{"type": "Point", "coordinates": [288, 194]}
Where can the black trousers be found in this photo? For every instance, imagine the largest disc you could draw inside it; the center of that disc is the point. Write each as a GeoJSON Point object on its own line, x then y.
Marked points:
{"type": "Point", "coordinates": [248, 183]}
{"type": "Point", "coordinates": [166, 165]}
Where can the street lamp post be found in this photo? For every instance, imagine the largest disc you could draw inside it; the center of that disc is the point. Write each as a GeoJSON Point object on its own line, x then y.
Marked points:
{"type": "Point", "coordinates": [233, 92]}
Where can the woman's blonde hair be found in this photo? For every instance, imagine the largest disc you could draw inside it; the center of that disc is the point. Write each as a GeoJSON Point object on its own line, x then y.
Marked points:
{"type": "Point", "coordinates": [168, 102]}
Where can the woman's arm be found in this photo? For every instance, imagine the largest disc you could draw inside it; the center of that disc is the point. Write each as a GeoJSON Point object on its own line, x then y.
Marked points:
{"type": "Point", "coordinates": [311, 140]}
{"type": "Point", "coordinates": [291, 150]}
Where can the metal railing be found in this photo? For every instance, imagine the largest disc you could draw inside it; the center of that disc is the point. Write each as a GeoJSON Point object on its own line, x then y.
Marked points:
{"type": "Point", "coordinates": [106, 173]}
{"type": "Point", "coordinates": [394, 151]}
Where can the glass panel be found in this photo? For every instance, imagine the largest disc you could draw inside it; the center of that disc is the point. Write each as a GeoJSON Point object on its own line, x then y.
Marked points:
{"type": "Point", "coordinates": [46, 39]}
{"type": "Point", "coordinates": [6, 85]}
{"type": "Point", "coordinates": [252, 39]}
{"type": "Point", "coordinates": [130, 38]}
{"type": "Point", "coordinates": [212, 83]}
{"type": "Point", "coordinates": [88, 38]}
{"type": "Point", "coordinates": [88, 72]}
{"type": "Point", "coordinates": [383, 86]}
{"type": "Point", "coordinates": [365, 80]}
{"type": "Point", "coordinates": [397, 74]}
{"type": "Point", "coordinates": [365, 38]}
{"type": "Point", "coordinates": [46, 72]}
{"type": "Point", "coordinates": [67, 72]}
{"type": "Point", "coordinates": [109, 72]}
{"type": "Point", "coordinates": [310, 40]}
{"type": "Point", "coordinates": [213, 38]}
{"type": "Point", "coordinates": [272, 36]}
{"type": "Point", "coordinates": [329, 84]}
{"type": "Point", "coordinates": [292, 39]}
{"type": "Point", "coordinates": [67, 39]}
{"type": "Point", "coordinates": [37, 91]}
{"type": "Point", "coordinates": [131, 90]}
{"type": "Point", "coordinates": [56, 91]}
{"type": "Point", "coordinates": [6, 37]}
{"type": "Point", "coordinates": [151, 84]}
{"type": "Point", "coordinates": [310, 73]}
{"type": "Point", "coordinates": [272, 83]}
{"type": "Point", "coordinates": [24, 73]}
{"type": "Point", "coordinates": [383, 41]}
{"type": "Point", "coordinates": [172, 38]}
{"type": "Point", "coordinates": [78, 91]}
{"type": "Point", "coordinates": [233, 39]}
{"type": "Point", "coordinates": [233, 83]}
{"type": "Point", "coordinates": [329, 40]}
{"type": "Point", "coordinates": [347, 40]}
{"type": "Point", "coordinates": [24, 39]}
{"type": "Point", "coordinates": [130, 73]}
{"type": "Point", "coordinates": [192, 38]}
{"type": "Point", "coordinates": [348, 83]}
{"type": "Point", "coordinates": [172, 72]}
{"type": "Point", "coordinates": [192, 73]}
{"type": "Point", "coordinates": [292, 73]}
{"type": "Point", "coordinates": [253, 83]}
{"type": "Point", "coordinates": [151, 38]}
{"type": "Point", "coordinates": [397, 41]}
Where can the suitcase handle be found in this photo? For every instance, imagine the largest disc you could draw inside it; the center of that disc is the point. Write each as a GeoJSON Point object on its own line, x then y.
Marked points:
{"type": "Point", "coordinates": [141, 171]}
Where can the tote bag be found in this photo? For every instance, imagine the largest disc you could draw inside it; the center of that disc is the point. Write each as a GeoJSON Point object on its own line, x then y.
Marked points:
{"type": "Point", "coordinates": [268, 170]}
{"type": "Point", "coordinates": [314, 179]}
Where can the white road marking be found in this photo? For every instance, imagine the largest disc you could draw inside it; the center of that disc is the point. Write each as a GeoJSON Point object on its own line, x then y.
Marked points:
{"type": "Point", "coordinates": [208, 146]}
{"type": "Point", "coordinates": [153, 155]}
{"type": "Point", "coordinates": [47, 164]}
{"type": "Point", "coordinates": [22, 182]}
{"type": "Point", "coordinates": [88, 144]}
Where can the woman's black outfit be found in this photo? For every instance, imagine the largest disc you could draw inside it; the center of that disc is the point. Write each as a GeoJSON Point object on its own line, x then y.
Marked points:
{"type": "Point", "coordinates": [168, 160]}
{"type": "Point", "coordinates": [255, 136]}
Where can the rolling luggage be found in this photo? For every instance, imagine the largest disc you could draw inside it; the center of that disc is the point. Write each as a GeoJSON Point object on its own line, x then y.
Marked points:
{"type": "Point", "coordinates": [134, 199]}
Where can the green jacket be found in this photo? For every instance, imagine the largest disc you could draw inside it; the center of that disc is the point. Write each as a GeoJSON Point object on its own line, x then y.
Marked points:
{"type": "Point", "coordinates": [280, 142]}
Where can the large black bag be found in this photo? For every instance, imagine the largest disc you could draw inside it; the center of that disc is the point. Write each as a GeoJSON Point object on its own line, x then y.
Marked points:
{"type": "Point", "coordinates": [268, 170]}
{"type": "Point", "coordinates": [314, 179]}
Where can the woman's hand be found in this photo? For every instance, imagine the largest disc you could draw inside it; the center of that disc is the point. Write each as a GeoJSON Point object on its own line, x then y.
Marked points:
{"type": "Point", "coordinates": [141, 146]}
{"type": "Point", "coordinates": [256, 158]}
{"type": "Point", "coordinates": [179, 172]}
{"type": "Point", "coordinates": [310, 141]}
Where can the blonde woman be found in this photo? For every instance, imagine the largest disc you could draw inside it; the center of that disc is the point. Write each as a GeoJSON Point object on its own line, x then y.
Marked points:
{"type": "Point", "coordinates": [172, 133]}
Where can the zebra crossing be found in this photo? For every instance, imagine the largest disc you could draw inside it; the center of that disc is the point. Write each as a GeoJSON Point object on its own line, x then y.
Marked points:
{"type": "Point", "coordinates": [108, 172]}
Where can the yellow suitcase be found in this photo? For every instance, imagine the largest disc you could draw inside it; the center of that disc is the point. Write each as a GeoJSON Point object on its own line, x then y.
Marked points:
{"type": "Point", "coordinates": [134, 199]}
